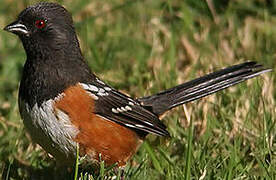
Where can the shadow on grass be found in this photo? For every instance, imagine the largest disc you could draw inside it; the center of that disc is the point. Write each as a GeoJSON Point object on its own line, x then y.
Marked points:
{"type": "Point", "coordinates": [19, 170]}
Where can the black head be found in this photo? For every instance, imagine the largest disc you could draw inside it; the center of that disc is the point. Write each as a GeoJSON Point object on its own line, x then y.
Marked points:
{"type": "Point", "coordinates": [54, 61]}
{"type": "Point", "coordinates": [44, 25]}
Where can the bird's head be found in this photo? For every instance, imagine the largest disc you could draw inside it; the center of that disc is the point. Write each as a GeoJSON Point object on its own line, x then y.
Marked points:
{"type": "Point", "coordinates": [44, 25]}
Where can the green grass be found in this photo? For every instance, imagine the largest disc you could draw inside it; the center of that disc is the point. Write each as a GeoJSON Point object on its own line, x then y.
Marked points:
{"type": "Point", "coordinates": [142, 47]}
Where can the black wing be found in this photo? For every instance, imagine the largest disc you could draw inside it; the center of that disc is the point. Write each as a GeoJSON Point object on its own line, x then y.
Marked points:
{"type": "Point", "coordinates": [120, 108]}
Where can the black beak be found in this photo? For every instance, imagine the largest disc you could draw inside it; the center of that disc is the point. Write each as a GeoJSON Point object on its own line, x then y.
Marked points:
{"type": "Point", "coordinates": [17, 28]}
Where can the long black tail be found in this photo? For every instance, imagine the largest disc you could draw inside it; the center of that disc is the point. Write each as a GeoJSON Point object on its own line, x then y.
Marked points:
{"type": "Point", "coordinates": [200, 87]}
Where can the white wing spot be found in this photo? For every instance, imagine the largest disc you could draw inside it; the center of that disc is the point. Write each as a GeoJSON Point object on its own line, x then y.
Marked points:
{"type": "Point", "coordinates": [85, 86]}
{"type": "Point", "coordinates": [93, 88]}
{"type": "Point", "coordinates": [93, 96]}
{"type": "Point", "coordinates": [102, 93]}
{"type": "Point", "coordinates": [101, 90]}
{"type": "Point", "coordinates": [130, 99]}
{"type": "Point", "coordinates": [114, 110]}
{"type": "Point", "coordinates": [107, 88]}
{"type": "Point", "coordinates": [89, 87]}
{"type": "Point", "coordinates": [148, 123]}
{"type": "Point", "coordinates": [128, 108]}
{"type": "Point", "coordinates": [130, 125]}
{"type": "Point", "coordinates": [140, 126]}
{"type": "Point", "coordinates": [99, 81]}
{"type": "Point", "coordinates": [131, 103]}
{"type": "Point", "coordinates": [120, 110]}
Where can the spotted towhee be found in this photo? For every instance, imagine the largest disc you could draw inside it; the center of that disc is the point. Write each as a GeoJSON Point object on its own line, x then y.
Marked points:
{"type": "Point", "coordinates": [63, 104]}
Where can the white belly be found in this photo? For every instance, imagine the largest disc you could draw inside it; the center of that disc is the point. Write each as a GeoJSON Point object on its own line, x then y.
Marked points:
{"type": "Point", "coordinates": [51, 129]}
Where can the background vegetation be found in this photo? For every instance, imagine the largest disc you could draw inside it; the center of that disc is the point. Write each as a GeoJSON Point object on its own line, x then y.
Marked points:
{"type": "Point", "coordinates": [144, 46]}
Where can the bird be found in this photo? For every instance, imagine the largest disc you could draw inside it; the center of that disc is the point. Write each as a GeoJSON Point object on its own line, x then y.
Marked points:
{"type": "Point", "coordinates": [65, 106]}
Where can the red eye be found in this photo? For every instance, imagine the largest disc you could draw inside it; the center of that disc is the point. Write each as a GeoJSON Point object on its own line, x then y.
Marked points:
{"type": "Point", "coordinates": [40, 24]}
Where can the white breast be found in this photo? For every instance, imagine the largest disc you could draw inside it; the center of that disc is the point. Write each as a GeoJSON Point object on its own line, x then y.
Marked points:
{"type": "Point", "coordinates": [51, 129]}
